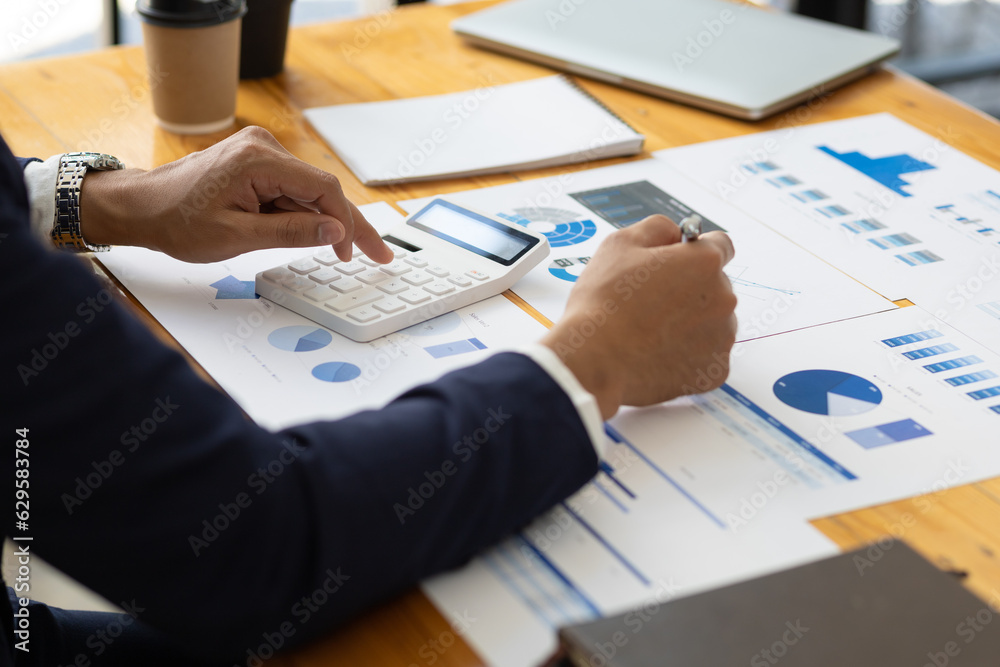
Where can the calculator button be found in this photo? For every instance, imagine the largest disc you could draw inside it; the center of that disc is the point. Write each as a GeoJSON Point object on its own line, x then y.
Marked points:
{"type": "Point", "coordinates": [327, 258]}
{"type": "Point", "coordinates": [303, 266]}
{"type": "Point", "coordinates": [362, 298]}
{"type": "Point", "coordinates": [367, 260]}
{"type": "Point", "coordinates": [278, 275]}
{"type": "Point", "coordinates": [350, 268]}
{"type": "Point", "coordinates": [394, 287]}
{"type": "Point", "coordinates": [324, 276]}
{"type": "Point", "coordinates": [414, 296]}
{"type": "Point", "coordinates": [478, 275]}
{"type": "Point", "coordinates": [439, 288]}
{"type": "Point", "coordinates": [418, 262]}
{"type": "Point", "coordinates": [346, 285]}
{"type": "Point", "coordinates": [297, 284]}
{"type": "Point", "coordinates": [372, 277]}
{"type": "Point", "coordinates": [389, 305]}
{"type": "Point", "coordinates": [396, 269]}
{"type": "Point", "coordinates": [417, 278]}
{"type": "Point", "coordinates": [397, 252]}
{"type": "Point", "coordinates": [320, 293]}
{"type": "Point", "coordinates": [364, 314]}
{"type": "Point", "coordinates": [438, 271]}
{"type": "Point", "coordinates": [461, 281]}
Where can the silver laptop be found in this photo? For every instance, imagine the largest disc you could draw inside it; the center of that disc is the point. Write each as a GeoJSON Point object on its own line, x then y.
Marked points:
{"type": "Point", "coordinates": [727, 57]}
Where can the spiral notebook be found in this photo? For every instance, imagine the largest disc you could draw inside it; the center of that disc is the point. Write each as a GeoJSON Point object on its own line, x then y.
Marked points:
{"type": "Point", "coordinates": [497, 128]}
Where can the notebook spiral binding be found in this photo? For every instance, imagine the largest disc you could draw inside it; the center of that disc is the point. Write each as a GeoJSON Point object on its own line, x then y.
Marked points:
{"type": "Point", "coordinates": [573, 84]}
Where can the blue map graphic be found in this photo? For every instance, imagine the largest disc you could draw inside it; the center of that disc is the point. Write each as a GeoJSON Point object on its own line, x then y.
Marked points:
{"type": "Point", "coordinates": [885, 170]}
{"type": "Point", "coordinates": [231, 288]}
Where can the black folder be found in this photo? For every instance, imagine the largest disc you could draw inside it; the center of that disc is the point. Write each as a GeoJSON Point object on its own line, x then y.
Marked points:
{"type": "Point", "coordinates": [883, 606]}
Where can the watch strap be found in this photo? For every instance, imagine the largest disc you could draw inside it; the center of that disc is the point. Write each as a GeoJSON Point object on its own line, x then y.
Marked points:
{"type": "Point", "coordinates": [73, 167]}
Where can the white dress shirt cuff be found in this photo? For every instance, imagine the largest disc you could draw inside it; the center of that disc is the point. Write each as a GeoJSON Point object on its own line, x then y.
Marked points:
{"type": "Point", "coordinates": [40, 179]}
{"type": "Point", "coordinates": [583, 400]}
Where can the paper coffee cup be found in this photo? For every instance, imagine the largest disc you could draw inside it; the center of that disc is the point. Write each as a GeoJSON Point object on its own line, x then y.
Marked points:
{"type": "Point", "coordinates": [194, 46]}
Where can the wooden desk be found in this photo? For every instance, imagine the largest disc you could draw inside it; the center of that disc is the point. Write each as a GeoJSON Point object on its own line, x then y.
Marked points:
{"type": "Point", "coordinates": [412, 52]}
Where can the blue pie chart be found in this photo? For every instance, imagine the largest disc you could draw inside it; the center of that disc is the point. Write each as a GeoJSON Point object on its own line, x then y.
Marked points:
{"type": "Point", "coordinates": [336, 371]}
{"type": "Point", "coordinates": [826, 392]}
{"type": "Point", "coordinates": [299, 338]}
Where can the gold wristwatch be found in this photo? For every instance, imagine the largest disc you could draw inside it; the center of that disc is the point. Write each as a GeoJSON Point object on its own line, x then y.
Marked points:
{"type": "Point", "coordinates": [66, 226]}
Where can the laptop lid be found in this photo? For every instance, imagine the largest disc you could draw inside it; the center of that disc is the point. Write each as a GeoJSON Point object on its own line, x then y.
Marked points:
{"type": "Point", "coordinates": [724, 56]}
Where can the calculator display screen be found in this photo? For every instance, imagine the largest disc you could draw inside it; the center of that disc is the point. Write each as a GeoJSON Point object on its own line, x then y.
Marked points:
{"type": "Point", "coordinates": [469, 230]}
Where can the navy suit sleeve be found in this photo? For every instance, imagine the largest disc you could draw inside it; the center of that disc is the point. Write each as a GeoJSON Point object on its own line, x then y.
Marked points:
{"type": "Point", "coordinates": [151, 487]}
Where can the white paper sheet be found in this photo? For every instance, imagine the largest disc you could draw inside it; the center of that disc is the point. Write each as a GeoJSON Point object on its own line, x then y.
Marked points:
{"type": "Point", "coordinates": [904, 213]}
{"type": "Point", "coordinates": [247, 344]}
{"type": "Point", "coordinates": [703, 491]}
{"type": "Point", "coordinates": [780, 287]}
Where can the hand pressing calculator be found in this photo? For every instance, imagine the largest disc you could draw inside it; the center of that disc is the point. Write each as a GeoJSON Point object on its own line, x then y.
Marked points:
{"type": "Point", "coordinates": [446, 257]}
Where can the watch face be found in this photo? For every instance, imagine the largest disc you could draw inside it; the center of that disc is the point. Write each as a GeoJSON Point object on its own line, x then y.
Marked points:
{"type": "Point", "coordinates": [97, 161]}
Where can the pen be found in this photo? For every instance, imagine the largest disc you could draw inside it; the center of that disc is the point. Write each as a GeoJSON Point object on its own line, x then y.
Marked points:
{"type": "Point", "coordinates": [690, 228]}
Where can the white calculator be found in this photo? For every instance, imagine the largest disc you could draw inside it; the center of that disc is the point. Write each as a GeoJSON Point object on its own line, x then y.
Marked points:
{"type": "Point", "coordinates": [446, 257]}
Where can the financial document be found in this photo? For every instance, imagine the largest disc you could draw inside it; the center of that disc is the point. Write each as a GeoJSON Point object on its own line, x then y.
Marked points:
{"type": "Point", "coordinates": [780, 287]}
{"type": "Point", "coordinates": [899, 210]}
{"type": "Point", "coordinates": [284, 369]}
{"type": "Point", "coordinates": [705, 490]}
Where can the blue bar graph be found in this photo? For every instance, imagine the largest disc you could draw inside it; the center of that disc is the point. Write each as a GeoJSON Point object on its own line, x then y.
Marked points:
{"type": "Point", "coordinates": [455, 347]}
{"type": "Point", "coordinates": [783, 181]}
{"type": "Point", "coordinates": [919, 257]}
{"type": "Point", "coordinates": [912, 338]}
{"type": "Point", "coordinates": [833, 211]}
{"type": "Point", "coordinates": [894, 241]}
{"type": "Point", "coordinates": [985, 393]}
{"type": "Point", "coordinates": [885, 170]}
{"type": "Point", "coordinates": [925, 352]}
{"type": "Point", "coordinates": [887, 434]}
{"type": "Point", "coordinates": [952, 364]}
{"type": "Point", "coordinates": [969, 378]}
{"type": "Point", "coordinates": [807, 196]}
{"type": "Point", "coordinates": [996, 409]}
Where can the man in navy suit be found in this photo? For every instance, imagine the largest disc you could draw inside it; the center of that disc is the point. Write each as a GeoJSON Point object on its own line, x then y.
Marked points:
{"type": "Point", "coordinates": [171, 527]}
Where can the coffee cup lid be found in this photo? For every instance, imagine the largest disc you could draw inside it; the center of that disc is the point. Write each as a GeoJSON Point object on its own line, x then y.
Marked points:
{"type": "Point", "coordinates": [190, 13]}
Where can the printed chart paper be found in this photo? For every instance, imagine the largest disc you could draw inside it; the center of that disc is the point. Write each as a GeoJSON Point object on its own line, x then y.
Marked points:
{"type": "Point", "coordinates": [904, 213]}
{"type": "Point", "coordinates": [284, 369]}
{"type": "Point", "coordinates": [780, 287]}
{"type": "Point", "coordinates": [702, 491]}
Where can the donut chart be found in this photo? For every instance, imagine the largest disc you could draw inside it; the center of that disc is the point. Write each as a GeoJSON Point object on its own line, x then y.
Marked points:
{"type": "Point", "coordinates": [568, 268]}
{"type": "Point", "coordinates": [560, 226]}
